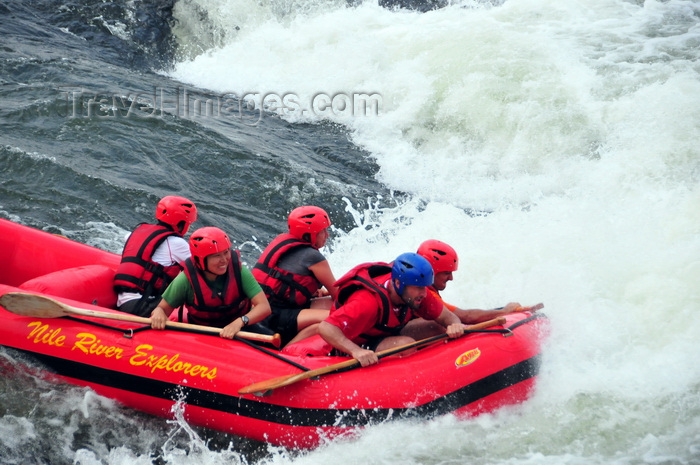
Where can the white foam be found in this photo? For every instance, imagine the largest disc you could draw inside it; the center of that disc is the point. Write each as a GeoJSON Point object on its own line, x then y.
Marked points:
{"type": "Point", "coordinates": [573, 128]}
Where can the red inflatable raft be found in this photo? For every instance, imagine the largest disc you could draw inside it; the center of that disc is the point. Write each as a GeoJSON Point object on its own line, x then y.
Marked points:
{"type": "Point", "coordinates": [151, 370]}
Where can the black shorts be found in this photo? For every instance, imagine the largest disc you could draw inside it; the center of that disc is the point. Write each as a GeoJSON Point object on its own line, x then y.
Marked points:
{"type": "Point", "coordinates": [283, 320]}
{"type": "Point", "coordinates": [141, 307]}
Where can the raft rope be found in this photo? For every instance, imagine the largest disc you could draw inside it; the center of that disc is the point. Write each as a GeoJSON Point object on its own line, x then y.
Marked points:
{"type": "Point", "coordinates": [127, 332]}
{"type": "Point", "coordinates": [534, 316]}
{"type": "Point", "coordinates": [272, 354]}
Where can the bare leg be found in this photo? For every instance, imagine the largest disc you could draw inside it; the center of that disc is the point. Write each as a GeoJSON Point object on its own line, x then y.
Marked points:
{"type": "Point", "coordinates": [310, 316]}
{"type": "Point", "coordinates": [420, 329]}
{"type": "Point", "coordinates": [324, 303]}
{"type": "Point", "coordinates": [395, 341]}
{"type": "Point", "coordinates": [304, 333]}
{"type": "Point", "coordinates": [307, 323]}
{"type": "Point", "coordinates": [472, 316]}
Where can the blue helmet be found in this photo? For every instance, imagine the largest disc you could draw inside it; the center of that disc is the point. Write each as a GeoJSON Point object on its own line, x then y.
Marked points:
{"type": "Point", "coordinates": [411, 270]}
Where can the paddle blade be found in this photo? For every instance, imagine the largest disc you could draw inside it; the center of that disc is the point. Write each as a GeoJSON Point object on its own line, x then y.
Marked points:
{"type": "Point", "coordinates": [32, 305]}
{"type": "Point", "coordinates": [263, 386]}
{"type": "Point", "coordinates": [286, 380]}
{"type": "Point", "coordinates": [534, 308]}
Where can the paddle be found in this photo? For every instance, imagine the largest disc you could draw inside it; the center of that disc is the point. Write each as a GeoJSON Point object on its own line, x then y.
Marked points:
{"type": "Point", "coordinates": [532, 308]}
{"type": "Point", "coordinates": [39, 306]}
{"type": "Point", "coordinates": [286, 380]}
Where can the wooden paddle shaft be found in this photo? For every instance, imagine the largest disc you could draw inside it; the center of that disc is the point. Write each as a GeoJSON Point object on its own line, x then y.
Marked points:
{"type": "Point", "coordinates": [39, 306]}
{"type": "Point", "coordinates": [501, 320]}
{"type": "Point", "coordinates": [531, 308]}
{"type": "Point", "coordinates": [286, 380]}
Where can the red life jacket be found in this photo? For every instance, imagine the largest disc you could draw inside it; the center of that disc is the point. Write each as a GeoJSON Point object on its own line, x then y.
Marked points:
{"type": "Point", "coordinates": [283, 288]}
{"type": "Point", "coordinates": [137, 271]}
{"type": "Point", "coordinates": [211, 308]}
{"type": "Point", "coordinates": [372, 276]}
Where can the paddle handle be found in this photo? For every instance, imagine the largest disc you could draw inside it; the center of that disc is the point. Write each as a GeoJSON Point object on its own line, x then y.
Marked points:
{"type": "Point", "coordinates": [275, 339]}
{"type": "Point", "coordinates": [501, 320]}
{"type": "Point", "coordinates": [531, 308]}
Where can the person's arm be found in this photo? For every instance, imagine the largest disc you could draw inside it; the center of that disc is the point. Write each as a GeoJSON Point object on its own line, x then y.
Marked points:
{"type": "Point", "coordinates": [159, 315]}
{"type": "Point", "coordinates": [473, 316]}
{"type": "Point", "coordinates": [179, 249]}
{"type": "Point", "coordinates": [335, 337]}
{"type": "Point", "coordinates": [174, 296]}
{"type": "Point", "coordinates": [259, 311]}
{"type": "Point", "coordinates": [260, 306]}
{"type": "Point", "coordinates": [451, 322]}
{"type": "Point", "coordinates": [357, 316]}
{"type": "Point", "coordinates": [322, 271]}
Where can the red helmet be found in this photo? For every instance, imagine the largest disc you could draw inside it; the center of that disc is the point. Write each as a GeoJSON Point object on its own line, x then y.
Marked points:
{"type": "Point", "coordinates": [308, 219]}
{"type": "Point", "coordinates": [176, 211]}
{"type": "Point", "coordinates": [207, 241]}
{"type": "Point", "coordinates": [440, 255]}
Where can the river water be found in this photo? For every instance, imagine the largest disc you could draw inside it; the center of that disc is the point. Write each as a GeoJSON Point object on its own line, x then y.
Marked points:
{"type": "Point", "coordinates": [554, 144]}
